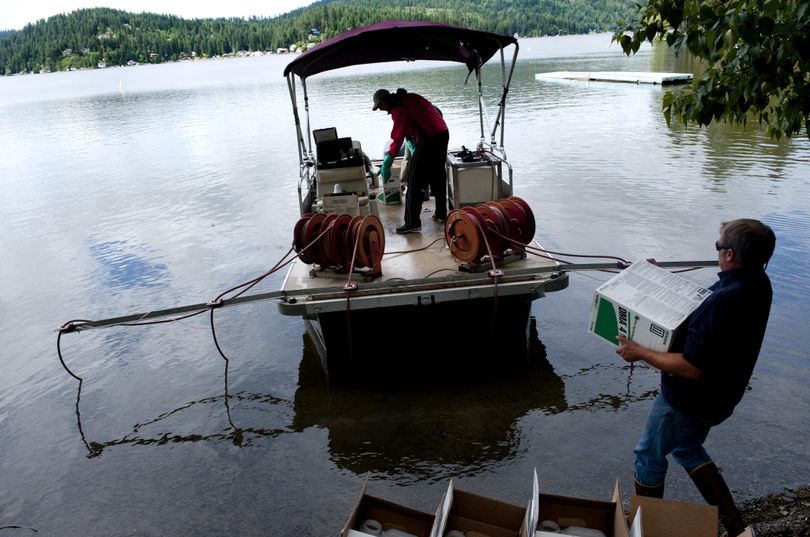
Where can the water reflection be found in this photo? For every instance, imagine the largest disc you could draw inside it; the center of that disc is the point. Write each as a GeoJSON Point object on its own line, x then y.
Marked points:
{"type": "Point", "coordinates": [614, 400]}
{"type": "Point", "coordinates": [724, 152]}
{"type": "Point", "coordinates": [154, 431]}
{"type": "Point", "coordinates": [424, 427]}
{"type": "Point", "coordinates": [428, 428]}
{"type": "Point", "coordinates": [126, 267]}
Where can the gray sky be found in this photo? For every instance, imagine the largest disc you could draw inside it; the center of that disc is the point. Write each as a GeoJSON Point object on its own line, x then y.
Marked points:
{"type": "Point", "coordinates": [14, 14]}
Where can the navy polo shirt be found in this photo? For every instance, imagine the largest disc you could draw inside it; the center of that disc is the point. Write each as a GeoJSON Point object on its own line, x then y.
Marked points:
{"type": "Point", "coordinates": [723, 340]}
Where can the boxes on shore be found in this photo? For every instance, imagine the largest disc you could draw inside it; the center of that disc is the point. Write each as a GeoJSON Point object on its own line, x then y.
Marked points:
{"type": "Point", "coordinates": [669, 518]}
{"type": "Point", "coordinates": [472, 514]}
{"type": "Point", "coordinates": [646, 304]}
{"type": "Point", "coordinates": [464, 513]}
{"type": "Point", "coordinates": [373, 516]}
{"type": "Point", "coordinates": [550, 514]}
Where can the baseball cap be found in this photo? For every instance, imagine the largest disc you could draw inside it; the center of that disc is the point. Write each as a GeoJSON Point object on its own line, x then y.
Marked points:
{"type": "Point", "coordinates": [381, 95]}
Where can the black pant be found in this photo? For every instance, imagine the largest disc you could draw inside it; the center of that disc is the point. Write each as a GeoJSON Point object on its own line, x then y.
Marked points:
{"type": "Point", "coordinates": [427, 169]}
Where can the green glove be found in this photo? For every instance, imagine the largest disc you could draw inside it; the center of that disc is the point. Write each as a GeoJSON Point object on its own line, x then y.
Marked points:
{"type": "Point", "coordinates": [385, 170]}
{"type": "Point", "coordinates": [411, 145]}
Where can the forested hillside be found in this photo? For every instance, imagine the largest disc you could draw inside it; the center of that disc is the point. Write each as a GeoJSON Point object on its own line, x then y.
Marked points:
{"type": "Point", "coordinates": [89, 37]}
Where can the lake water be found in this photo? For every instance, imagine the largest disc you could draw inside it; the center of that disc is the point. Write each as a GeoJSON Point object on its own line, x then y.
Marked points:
{"type": "Point", "coordinates": [132, 189]}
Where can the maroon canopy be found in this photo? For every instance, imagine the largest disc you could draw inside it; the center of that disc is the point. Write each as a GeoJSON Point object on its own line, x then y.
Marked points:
{"type": "Point", "coordinates": [390, 41]}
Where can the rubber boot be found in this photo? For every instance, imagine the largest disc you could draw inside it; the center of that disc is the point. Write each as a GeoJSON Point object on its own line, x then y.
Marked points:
{"type": "Point", "coordinates": [655, 491]}
{"type": "Point", "coordinates": [714, 490]}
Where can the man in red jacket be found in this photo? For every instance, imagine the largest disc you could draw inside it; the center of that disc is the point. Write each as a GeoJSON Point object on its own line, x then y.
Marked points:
{"type": "Point", "coordinates": [417, 119]}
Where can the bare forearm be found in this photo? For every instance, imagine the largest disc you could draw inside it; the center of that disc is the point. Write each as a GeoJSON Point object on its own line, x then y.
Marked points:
{"type": "Point", "coordinates": [668, 362]}
{"type": "Point", "coordinates": [671, 362]}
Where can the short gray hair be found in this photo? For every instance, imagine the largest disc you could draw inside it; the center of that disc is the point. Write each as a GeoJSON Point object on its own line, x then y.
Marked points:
{"type": "Point", "coordinates": [752, 241]}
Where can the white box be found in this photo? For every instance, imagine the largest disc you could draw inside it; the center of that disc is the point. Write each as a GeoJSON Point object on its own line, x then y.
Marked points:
{"type": "Point", "coordinates": [391, 193]}
{"type": "Point", "coordinates": [351, 179]}
{"type": "Point", "coordinates": [646, 304]}
{"type": "Point", "coordinates": [473, 182]}
{"type": "Point", "coordinates": [341, 204]}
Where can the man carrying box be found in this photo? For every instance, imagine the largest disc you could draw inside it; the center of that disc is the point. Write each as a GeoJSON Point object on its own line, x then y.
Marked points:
{"type": "Point", "coordinates": [701, 384]}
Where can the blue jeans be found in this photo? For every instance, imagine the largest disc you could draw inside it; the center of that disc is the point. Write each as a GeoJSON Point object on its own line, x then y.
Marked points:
{"type": "Point", "coordinates": [669, 431]}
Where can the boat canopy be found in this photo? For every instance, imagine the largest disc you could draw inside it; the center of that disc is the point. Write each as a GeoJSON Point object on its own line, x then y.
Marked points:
{"type": "Point", "coordinates": [391, 41]}
{"type": "Point", "coordinates": [400, 41]}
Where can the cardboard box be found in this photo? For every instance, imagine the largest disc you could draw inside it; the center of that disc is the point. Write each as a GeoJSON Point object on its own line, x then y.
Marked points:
{"type": "Point", "coordinates": [646, 304]}
{"type": "Point", "coordinates": [670, 518]}
{"type": "Point", "coordinates": [468, 512]}
{"type": "Point", "coordinates": [606, 517]}
{"type": "Point", "coordinates": [389, 515]}
{"type": "Point", "coordinates": [391, 191]}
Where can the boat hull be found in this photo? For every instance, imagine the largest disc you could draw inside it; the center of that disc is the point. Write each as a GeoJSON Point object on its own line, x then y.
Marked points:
{"type": "Point", "coordinates": [471, 337]}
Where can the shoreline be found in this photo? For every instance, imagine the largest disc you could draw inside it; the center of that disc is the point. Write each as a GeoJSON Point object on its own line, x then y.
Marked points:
{"type": "Point", "coordinates": [783, 514]}
{"type": "Point", "coordinates": [229, 56]}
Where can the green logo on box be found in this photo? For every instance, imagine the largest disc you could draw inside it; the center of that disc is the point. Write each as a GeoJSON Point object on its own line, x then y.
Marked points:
{"type": "Point", "coordinates": [606, 324]}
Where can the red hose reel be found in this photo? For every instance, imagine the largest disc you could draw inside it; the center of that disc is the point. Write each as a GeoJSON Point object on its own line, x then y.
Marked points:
{"type": "Point", "coordinates": [473, 233]}
{"type": "Point", "coordinates": [330, 242]}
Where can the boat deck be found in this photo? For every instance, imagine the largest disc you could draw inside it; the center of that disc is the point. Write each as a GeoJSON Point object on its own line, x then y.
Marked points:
{"type": "Point", "coordinates": [413, 265]}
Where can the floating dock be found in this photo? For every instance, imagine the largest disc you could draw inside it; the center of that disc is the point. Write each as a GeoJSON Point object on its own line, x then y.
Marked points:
{"type": "Point", "coordinates": [633, 77]}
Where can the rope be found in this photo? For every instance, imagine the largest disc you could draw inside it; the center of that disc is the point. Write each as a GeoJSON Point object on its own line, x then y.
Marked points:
{"type": "Point", "coordinates": [220, 300]}
{"type": "Point", "coordinates": [564, 254]}
{"type": "Point", "coordinates": [350, 286]}
{"type": "Point", "coordinates": [494, 273]}
{"type": "Point", "coordinates": [63, 330]}
{"type": "Point", "coordinates": [415, 249]}
{"type": "Point", "coordinates": [236, 435]}
{"type": "Point", "coordinates": [227, 364]}
{"type": "Point", "coordinates": [137, 320]}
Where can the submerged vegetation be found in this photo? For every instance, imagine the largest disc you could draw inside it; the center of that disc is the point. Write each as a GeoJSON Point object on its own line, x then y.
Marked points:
{"type": "Point", "coordinates": [106, 37]}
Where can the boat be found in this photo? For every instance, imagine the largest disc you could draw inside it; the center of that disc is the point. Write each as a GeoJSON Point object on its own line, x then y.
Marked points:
{"type": "Point", "coordinates": [456, 295]}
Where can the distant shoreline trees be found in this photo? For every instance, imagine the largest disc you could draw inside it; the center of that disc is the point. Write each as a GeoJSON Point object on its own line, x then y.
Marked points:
{"type": "Point", "coordinates": [87, 38]}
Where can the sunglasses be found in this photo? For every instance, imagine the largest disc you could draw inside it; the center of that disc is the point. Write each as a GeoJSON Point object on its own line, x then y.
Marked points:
{"type": "Point", "coordinates": [722, 246]}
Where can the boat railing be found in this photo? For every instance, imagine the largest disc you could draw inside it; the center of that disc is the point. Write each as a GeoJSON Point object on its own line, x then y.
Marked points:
{"type": "Point", "coordinates": [306, 184]}
{"type": "Point", "coordinates": [498, 154]}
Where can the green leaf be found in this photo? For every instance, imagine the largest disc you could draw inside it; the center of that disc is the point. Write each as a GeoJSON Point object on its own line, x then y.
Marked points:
{"type": "Point", "coordinates": [625, 42]}
{"type": "Point", "coordinates": [801, 12]}
{"type": "Point", "coordinates": [766, 25]}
